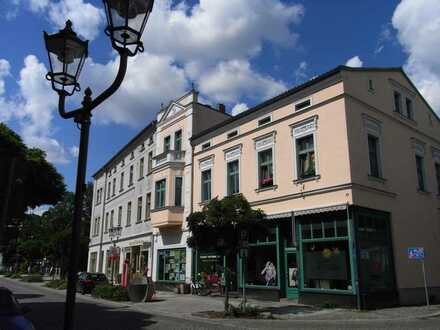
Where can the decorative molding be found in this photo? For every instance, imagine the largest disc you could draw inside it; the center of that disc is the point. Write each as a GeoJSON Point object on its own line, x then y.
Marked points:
{"type": "Point", "coordinates": [206, 163]}
{"type": "Point", "coordinates": [304, 127]}
{"type": "Point", "coordinates": [398, 85]}
{"type": "Point", "coordinates": [232, 153]}
{"type": "Point", "coordinates": [266, 141]}
{"type": "Point", "coordinates": [372, 125]}
{"type": "Point", "coordinates": [419, 146]}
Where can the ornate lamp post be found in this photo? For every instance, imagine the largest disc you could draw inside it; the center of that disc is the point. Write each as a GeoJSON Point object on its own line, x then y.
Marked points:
{"type": "Point", "coordinates": [114, 233]}
{"type": "Point", "coordinates": [126, 20]}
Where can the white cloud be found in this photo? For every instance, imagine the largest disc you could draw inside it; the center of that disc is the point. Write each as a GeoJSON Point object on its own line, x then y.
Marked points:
{"type": "Point", "coordinates": [418, 29]}
{"type": "Point", "coordinates": [301, 72]}
{"type": "Point", "coordinates": [74, 151]}
{"type": "Point", "coordinates": [5, 68]}
{"type": "Point", "coordinates": [231, 80]}
{"type": "Point", "coordinates": [354, 62]}
{"type": "Point", "coordinates": [385, 35]}
{"type": "Point", "coordinates": [87, 19]}
{"type": "Point", "coordinates": [239, 108]}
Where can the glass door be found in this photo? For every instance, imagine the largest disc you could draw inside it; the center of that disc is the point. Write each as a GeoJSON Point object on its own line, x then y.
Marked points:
{"type": "Point", "coordinates": [292, 274]}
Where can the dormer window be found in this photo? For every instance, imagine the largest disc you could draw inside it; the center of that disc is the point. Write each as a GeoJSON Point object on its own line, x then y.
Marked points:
{"type": "Point", "coordinates": [232, 134]}
{"type": "Point", "coordinates": [264, 121]}
{"type": "Point", "coordinates": [304, 104]}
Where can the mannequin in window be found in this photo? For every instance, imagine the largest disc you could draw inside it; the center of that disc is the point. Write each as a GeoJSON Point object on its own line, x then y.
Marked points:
{"type": "Point", "coordinates": [270, 273]}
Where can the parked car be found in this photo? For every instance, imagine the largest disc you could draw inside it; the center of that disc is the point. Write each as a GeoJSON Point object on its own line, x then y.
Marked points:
{"type": "Point", "coordinates": [11, 313]}
{"type": "Point", "coordinates": [87, 281]}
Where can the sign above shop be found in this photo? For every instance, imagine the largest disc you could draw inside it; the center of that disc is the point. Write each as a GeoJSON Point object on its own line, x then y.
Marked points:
{"type": "Point", "coordinates": [417, 253]}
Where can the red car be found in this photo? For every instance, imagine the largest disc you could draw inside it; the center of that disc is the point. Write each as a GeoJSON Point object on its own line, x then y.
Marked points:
{"type": "Point", "coordinates": [87, 281]}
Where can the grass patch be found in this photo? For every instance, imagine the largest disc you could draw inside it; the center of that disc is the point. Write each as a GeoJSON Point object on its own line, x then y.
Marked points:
{"type": "Point", "coordinates": [110, 292]}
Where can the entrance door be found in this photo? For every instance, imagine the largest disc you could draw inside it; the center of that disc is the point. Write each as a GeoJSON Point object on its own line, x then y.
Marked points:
{"type": "Point", "coordinates": [292, 274]}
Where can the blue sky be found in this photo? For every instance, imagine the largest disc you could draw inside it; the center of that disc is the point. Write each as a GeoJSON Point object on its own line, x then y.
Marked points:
{"type": "Point", "coordinates": [237, 52]}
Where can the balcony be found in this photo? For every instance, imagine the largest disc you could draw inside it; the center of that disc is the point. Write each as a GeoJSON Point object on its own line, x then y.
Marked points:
{"type": "Point", "coordinates": [169, 216]}
{"type": "Point", "coordinates": [175, 156]}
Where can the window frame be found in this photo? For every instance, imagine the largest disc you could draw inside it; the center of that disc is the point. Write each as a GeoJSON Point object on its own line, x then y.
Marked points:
{"type": "Point", "coordinates": [139, 209]}
{"type": "Point", "coordinates": [206, 145]}
{"type": "Point", "coordinates": [175, 191]}
{"type": "Point", "coordinates": [409, 110]}
{"type": "Point", "coordinates": [121, 184]}
{"type": "Point", "coordinates": [269, 117]}
{"type": "Point", "coordinates": [128, 220]}
{"type": "Point", "coordinates": [397, 101]}
{"type": "Point", "coordinates": [167, 143]}
{"type": "Point", "coordinates": [232, 134]}
{"type": "Point", "coordinates": [298, 153]}
{"type": "Point", "coordinates": [176, 139]}
{"type": "Point", "coordinates": [202, 182]}
{"type": "Point", "coordinates": [148, 206]}
{"type": "Point", "coordinates": [131, 176]}
{"type": "Point", "coordinates": [120, 215]}
{"type": "Point", "coordinates": [300, 102]}
{"type": "Point", "coordinates": [421, 180]}
{"type": "Point", "coordinates": [156, 192]}
{"type": "Point", "coordinates": [141, 167]}
{"type": "Point", "coordinates": [228, 192]}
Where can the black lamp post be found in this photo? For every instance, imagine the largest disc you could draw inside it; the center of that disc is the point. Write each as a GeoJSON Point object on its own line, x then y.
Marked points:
{"type": "Point", "coordinates": [67, 53]}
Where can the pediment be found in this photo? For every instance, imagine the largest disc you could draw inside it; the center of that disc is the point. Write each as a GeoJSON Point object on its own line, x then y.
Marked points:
{"type": "Point", "coordinates": [171, 111]}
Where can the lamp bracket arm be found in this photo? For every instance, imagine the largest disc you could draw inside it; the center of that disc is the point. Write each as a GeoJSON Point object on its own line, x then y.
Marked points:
{"type": "Point", "coordinates": [123, 59]}
{"type": "Point", "coordinates": [62, 107]}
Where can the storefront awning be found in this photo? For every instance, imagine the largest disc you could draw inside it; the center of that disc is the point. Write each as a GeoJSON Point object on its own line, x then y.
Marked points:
{"type": "Point", "coordinates": [332, 208]}
{"type": "Point", "coordinates": [278, 216]}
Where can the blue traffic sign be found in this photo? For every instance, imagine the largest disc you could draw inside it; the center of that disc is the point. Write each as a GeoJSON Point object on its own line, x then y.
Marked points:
{"type": "Point", "coordinates": [417, 253]}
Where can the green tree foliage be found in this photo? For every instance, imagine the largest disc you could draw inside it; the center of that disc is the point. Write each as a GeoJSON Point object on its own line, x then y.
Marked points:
{"type": "Point", "coordinates": [218, 226]}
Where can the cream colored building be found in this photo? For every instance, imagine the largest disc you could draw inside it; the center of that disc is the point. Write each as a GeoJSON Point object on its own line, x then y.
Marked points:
{"type": "Point", "coordinates": [347, 169]}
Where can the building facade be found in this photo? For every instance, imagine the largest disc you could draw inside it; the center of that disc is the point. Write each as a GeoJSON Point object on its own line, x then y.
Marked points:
{"type": "Point", "coordinates": [346, 168]}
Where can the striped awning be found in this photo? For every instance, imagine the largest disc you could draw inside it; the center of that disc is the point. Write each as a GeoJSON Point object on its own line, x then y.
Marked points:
{"type": "Point", "coordinates": [332, 208]}
{"type": "Point", "coordinates": [276, 216]}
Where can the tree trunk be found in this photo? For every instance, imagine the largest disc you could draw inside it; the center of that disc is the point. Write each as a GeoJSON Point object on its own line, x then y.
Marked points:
{"type": "Point", "coordinates": [226, 290]}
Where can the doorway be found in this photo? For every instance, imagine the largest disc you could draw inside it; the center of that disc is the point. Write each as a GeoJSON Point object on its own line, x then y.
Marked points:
{"type": "Point", "coordinates": [292, 274]}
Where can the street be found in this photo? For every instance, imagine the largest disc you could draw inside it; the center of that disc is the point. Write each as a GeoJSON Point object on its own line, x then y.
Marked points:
{"type": "Point", "coordinates": [48, 309]}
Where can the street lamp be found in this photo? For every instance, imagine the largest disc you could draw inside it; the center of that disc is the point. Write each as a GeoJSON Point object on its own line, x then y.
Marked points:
{"type": "Point", "coordinates": [114, 232]}
{"type": "Point", "coordinates": [67, 53]}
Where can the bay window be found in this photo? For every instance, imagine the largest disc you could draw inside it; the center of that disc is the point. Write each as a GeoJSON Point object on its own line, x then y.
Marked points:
{"type": "Point", "coordinates": [159, 201]}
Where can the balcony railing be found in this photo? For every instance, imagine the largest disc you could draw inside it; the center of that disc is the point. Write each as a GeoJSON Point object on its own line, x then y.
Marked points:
{"type": "Point", "coordinates": [169, 156]}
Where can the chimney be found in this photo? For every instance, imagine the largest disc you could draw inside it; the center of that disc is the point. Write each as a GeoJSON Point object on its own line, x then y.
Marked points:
{"type": "Point", "coordinates": [221, 108]}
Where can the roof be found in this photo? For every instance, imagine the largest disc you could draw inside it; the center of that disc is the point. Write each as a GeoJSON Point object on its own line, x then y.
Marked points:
{"type": "Point", "coordinates": [151, 126]}
{"type": "Point", "coordinates": [303, 86]}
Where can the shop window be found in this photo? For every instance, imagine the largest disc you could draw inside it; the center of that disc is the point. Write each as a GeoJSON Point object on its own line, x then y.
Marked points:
{"type": "Point", "coordinates": [171, 265]}
{"type": "Point", "coordinates": [261, 266]}
{"type": "Point", "coordinates": [261, 235]}
{"type": "Point", "coordinates": [317, 228]}
{"type": "Point", "coordinates": [327, 265]}
{"type": "Point", "coordinates": [376, 269]}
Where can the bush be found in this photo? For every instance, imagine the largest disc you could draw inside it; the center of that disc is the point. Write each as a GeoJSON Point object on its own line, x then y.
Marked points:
{"type": "Point", "coordinates": [110, 292]}
{"type": "Point", "coordinates": [15, 275]}
{"type": "Point", "coordinates": [32, 278]}
{"type": "Point", "coordinates": [57, 284]}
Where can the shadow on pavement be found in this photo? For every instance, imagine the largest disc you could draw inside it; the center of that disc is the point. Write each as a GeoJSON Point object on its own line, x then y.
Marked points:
{"type": "Point", "coordinates": [50, 315]}
{"type": "Point", "coordinates": [20, 296]}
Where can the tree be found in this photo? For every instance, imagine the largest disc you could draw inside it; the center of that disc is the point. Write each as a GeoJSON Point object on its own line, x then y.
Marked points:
{"type": "Point", "coordinates": [218, 227]}
{"type": "Point", "coordinates": [27, 180]}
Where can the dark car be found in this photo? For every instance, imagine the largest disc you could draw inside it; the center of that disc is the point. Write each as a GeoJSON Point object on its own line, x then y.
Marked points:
{"type": "Point", "coordinates": [87, 281]}
{"type": "Point", "coordinates": [11, 313]}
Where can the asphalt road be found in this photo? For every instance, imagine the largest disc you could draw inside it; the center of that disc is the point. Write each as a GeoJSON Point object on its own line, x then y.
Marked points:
{"type": "Point", "coordinates": [48, 309]}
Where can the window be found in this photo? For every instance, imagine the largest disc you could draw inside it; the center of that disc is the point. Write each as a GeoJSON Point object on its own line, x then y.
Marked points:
{"type": "Point", "coordinates": [437, 174]}
{"type": "Point", "coordinates": [106, 223]}
{"type": "Point", "coordinates": [305, 154]}
{"type": "Point", "coordinates": [397, 102]}
{"type": "Point", "coordinates": [159, 198]}
{"type": "Point", "coordinates": [130, 179]}
{"type": "Point", "coordinates": [265, 168]}
{"type": "Point", "coordinates": [112, 218]}
{"type": "Point", "coordinates": [128, 222]}
{"type": "Point", "coordinates": [141, 167]}
{"type": "Point", "coordinates": [167, 144]}
{"type": "Point", "coordinates": [114, 187]}
{"type": "Point", "coordinates": [373, 153]}
{"type": "Point", "coordinates": [148, 207]}
{"type": "Point", "coordinates": [261, 265]}
{"type": "Point", "coordinates": [303, 105]}
{"type": "Point", "coordinates": [178, 181]}
{"type": "Point", "coordinates": [121, 188]}
{"type": "Point", "coordinates": [264, 121]}
{"type": "Point", "coordinates": [178, 140]}
{"type": "Point", "coordinates": [370, 85]}
{"type": "Point", "coordinates": [171, 265]}
{"type": "Point", "coordinates": [230, 135]}
{"type": "Point", "coordinates": [233, 178]}
{"type": "Point", "coordinates": [409, 108]}
{"type": "Point", "coordinates": [139, 210]}
{"type": "Point", "coordinates": [119, 216]}
{"type": "Point", "coordinates": [132, 155]}
{"type": "Point", "coordinates": [420, 172]}
{"type": "Point", "coordinates": [109, 190]}
{"type": "Point", "coordinates": [206, 145]}
{"type": "Point", "coordinates": [206, 185]}
{"type": "Point", "coordinates": [150, 162]}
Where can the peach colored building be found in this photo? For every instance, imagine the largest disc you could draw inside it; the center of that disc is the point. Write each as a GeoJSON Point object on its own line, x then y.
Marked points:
{"type": "Point", "coordinates": [347, 170]}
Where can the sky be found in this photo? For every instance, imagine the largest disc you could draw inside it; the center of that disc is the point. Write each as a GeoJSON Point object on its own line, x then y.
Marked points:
{"type": "Point", "coordinates": [236, 52]}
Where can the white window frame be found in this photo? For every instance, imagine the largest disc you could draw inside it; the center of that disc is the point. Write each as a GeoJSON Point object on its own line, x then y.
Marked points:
{"type": "Point", "coordinates": [373, 127]}
{"type": "Point", "coordinates": [231, 155]}
{"type": "Point", "coordinates": [299, 130]}
{"type": "Point", "coordinates": [301, 101]}
{"type": "Point", "coordinates": [154, 190]}
{"type": "Point", "coordinates": [205, 143]}
{"type": "Point", "coordinates": [204, 165]}
{"type": "Point", "coordinates": [139, 218]}
{"type": "Point", "coordinates": [264, 117]}
{"type": "Point", "coordinates": [182, 202]}
{"type": "Point", "coordinates": [263, 143]}
{"type": "Point", "coordinates": [231, 131]}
